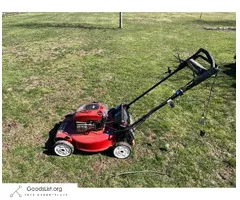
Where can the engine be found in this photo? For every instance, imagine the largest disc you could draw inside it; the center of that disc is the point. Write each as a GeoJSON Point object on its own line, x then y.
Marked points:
{"type": "Point", "coordinates": [90, 117]}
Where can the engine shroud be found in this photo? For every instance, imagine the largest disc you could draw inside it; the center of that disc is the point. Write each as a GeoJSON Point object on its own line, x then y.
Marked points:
{"type": "Point", "coordinates": [90, 117]}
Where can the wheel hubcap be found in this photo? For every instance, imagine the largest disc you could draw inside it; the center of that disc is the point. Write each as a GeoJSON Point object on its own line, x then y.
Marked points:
{"type": "Point", "coordinates": [62, 150]}
{"type": "Point", "coordinates": [122, 152]}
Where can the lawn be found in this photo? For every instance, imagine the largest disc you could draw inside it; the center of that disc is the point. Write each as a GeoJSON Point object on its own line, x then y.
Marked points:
{"type": "Point", "coordinates": [53, 62]}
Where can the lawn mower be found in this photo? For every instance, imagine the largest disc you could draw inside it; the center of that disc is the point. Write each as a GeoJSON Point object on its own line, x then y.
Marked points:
{"type": "Point", "coordinates": [95, 128]}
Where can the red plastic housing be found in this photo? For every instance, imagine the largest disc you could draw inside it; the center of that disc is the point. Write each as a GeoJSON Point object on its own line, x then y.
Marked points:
{"type": "Point", "coordinates": [90, 112]}
{"type": "Point", "coordinates": [93, 141]}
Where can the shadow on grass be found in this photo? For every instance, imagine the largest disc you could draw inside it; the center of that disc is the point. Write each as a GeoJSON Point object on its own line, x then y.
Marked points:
{"type": "Point", "coordinates": [225, 23]}
{"type": "Point", "coordinates": [51, 135]}
{"type": "Point", "coordinates": [62, 25]}
{"type": "Point", "coordinates": [230, 70]}
{"type": "Point", "coordinates": [107, 153]}
{"type": "Point", "coordinates": [48, 148]}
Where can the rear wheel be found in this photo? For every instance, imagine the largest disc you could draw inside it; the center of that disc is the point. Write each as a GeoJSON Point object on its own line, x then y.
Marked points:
{"type": "Point", "coordinates": [122, 150]}
{"type": "Point", "coordinates": [63, 148]}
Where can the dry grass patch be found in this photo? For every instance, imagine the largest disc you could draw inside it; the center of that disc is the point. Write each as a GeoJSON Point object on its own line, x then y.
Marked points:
{"type": "Point", "coordinates": [90, 52]}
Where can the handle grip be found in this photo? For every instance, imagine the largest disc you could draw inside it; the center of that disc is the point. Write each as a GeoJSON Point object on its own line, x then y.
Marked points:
{"type": "Point", "coordinates": [202, 72]}
{"type": "Point", "coordinates": [208, 57]}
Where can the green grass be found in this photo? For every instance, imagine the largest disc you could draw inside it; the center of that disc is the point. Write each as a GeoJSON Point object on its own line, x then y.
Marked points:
{"type": "Point", "coordinates": [52, 62]}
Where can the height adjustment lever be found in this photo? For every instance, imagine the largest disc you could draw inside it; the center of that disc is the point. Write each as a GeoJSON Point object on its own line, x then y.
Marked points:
{"type": "Point", "coordinates": [169, 71]}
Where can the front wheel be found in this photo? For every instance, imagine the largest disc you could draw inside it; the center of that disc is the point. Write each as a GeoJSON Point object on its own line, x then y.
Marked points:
{"type": "Point", "coordinates": [63, 148]}
{"type": "Point", "coordinates": [122, 150]}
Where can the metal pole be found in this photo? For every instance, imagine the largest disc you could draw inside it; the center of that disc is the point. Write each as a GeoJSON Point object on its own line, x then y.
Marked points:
{"type": "Point", "coordinates": [120, 20]}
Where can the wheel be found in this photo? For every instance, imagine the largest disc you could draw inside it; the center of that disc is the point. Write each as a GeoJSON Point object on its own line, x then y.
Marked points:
{"type": "Point", "coordinates": [122, 150]}
{"type": "Point", "coordinates": [63, 148]}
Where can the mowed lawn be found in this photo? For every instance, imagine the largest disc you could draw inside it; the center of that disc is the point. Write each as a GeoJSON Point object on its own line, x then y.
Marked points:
{"type": "Point", "coordinates": [53, 62]}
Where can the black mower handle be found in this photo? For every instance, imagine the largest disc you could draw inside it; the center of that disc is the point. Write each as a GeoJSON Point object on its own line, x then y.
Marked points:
{"type": "Point", "coordinates": [197, 68]}
{"type": "Point", "coordinates": [202, 73]}
{"type": "Point", "coordinates": [208, 57]}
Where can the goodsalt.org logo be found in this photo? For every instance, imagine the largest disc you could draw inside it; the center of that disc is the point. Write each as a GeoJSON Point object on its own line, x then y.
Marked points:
{"type": "Point", "coordinates": [16, 192]}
